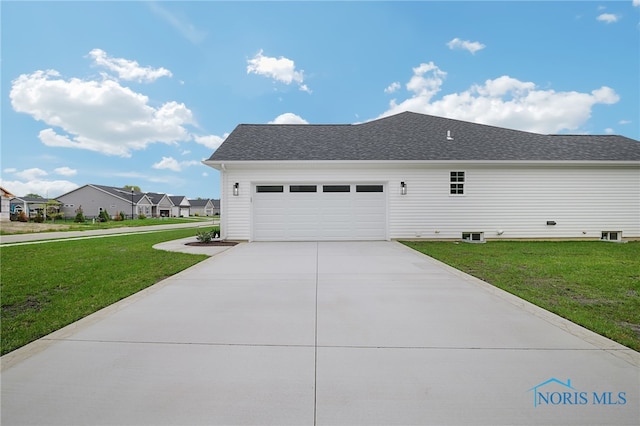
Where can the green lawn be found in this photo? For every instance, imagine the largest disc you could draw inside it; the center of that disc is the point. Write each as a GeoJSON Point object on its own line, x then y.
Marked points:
{"type": "Point", "coordinates": [47, 286]}
{"type": "Point", "coordinates": [69, 225]}
{"type": "Point", "coordinates": [595, 284]}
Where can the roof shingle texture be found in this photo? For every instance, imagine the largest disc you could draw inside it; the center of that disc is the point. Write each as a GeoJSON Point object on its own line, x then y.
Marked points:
{"type": "Point", "coordinates": [410, 136]}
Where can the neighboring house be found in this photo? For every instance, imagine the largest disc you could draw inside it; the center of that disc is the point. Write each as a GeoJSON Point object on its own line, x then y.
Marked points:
{"type": "Point", "coordinates": [418, 176]}
{"type": "Point", "coordinates": [161, 204]}
{"type": "Point", "coordinates": [32, 205]}
{"type": "Point", "coordinates": [180, 207]}
{"type": "Point", "coordinates": [95, 198]}
{"type": "Point", "coordinates": [5, 204]}
{"type": "Point", "coordinates": [201, 207]}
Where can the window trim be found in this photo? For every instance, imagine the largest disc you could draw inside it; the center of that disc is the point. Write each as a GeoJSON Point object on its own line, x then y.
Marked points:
{"type": "Point", "coordinates": [280, 189]}
{"type": "Point", "coordinates": [303, 189]}
{"type": "Point", "coordinates": [606, 236]}
{"type": "Point", "coordinates": [336, 186]}
{"type": "Point", "coordinates": [460, 184]}
{"type": "Point", "coordinates": [470, 237]}
{"type": "Point", "coordinates": [377, 188]}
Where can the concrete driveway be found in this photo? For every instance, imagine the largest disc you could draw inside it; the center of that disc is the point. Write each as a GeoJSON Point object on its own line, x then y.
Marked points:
{"type": "Point", "coordinates": [321, 334]}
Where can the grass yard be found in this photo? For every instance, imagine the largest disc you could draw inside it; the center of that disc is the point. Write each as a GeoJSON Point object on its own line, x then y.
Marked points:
{"type": "Point", "coordinates": [9, 228]}
{"type": "Point", "coordinates": [45, 287]}
{"type": "Point", "coordinates": [594, 284]}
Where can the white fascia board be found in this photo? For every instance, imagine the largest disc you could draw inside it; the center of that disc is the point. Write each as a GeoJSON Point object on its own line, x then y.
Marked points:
{"type": "Point", "coordinates": [223, 166]}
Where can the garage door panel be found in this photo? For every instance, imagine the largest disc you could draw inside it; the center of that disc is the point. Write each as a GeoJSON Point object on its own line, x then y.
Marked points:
{"type": "Point", "coordinates": [310, 216]}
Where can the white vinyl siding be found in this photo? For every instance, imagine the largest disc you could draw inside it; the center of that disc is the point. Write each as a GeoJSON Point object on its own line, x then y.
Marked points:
{"type": "Point", "coordinates": [584, 200]}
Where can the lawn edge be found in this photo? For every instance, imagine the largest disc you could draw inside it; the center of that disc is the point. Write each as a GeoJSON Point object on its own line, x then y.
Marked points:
{"type": "Point", "coordinates": [601, 342]}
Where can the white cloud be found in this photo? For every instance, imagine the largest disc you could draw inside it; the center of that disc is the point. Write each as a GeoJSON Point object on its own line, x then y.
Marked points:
{"type": "Point", "coordinates": [31, 174]}
{"type": "Point", "coordinates": [426, 87]}
{"type": "Point", "coordinates": [471, 46]}
{"type": "Point", "coordinates": [608, 18]}
{"type": "Point", "coordinates": [45, 188]}
{"type": "Point", "coordinates": [636, 3]}
{"type": "Point", "coordinates": [392, 87]}
{"type": "Point", "coordinates": [127, 69]}
{"type": "Point", "coordinates": [280, 69]}
{"type": "Point", "coordinates": [65, 171]}
{"type": "Point", "coordinates": [625, 121]}
{"type": "Point", "coordinates": [100, 116]}
{"type": "Point", "coordinates": [210, 141]}
{"type": "Point", "coordinates": [289, 118]}
{"type": "Point", "coordinates": [10, 170]}
{"type": "Point", "coordinates": [504, 101]}
{"type": "Point", "coordinates": [609, 131]}
{"type": "Point", "coordinates": [173, 164]}
{"type": "Point", "coordinates": [205, 174]}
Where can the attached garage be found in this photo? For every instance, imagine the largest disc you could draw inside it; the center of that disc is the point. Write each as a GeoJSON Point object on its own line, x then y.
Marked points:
{"type": "Point", "coordinates": [415, 176]}
{"type": "Point", "coordinates": [310, 212]}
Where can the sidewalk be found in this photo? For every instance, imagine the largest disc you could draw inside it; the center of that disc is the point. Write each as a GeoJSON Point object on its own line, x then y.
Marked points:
{"type": "Point", "coordinates": [16, 239]}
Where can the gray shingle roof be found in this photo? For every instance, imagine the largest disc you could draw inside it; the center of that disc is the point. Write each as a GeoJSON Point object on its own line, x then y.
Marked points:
{"type": "Point", "coordinates": [199, 203]}
{"type": "Point", "coordinates": [120, 192]}
{"type": "Point", "coordinates": [410, 136]}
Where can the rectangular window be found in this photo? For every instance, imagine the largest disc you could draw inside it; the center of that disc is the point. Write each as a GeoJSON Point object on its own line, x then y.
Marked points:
{"type": "Point", "coordinates": [336, 188]}
{"type": "Point", "coordinates": [303, 188]}
{"type": "Point", "coordinates": [270, 188]}
{"type": "Point", "coordinates": [611, 236]}
{"type": "Point", "coordinates": [368, 188]}
{"type": "Point", "coordinates": [456, 183]}
{"type": "Point", "coordinates": [473, 237]}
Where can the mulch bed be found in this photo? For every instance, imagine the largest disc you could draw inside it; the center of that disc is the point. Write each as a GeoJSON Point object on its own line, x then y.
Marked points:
{"type": "Point", "coordinates": [212, 244]}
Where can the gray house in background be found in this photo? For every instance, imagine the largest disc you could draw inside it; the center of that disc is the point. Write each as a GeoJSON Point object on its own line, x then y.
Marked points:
{"type": "Point", "coordinates": [205, 207]}
{"type": "Point", "coordinates": [180, 207]}
{"type": "Point", "coordinates": [161, 204]}
{"type": "Point", "coordinates": [95, 198]}
{"type": "Point", "coordinates": [29, 205]}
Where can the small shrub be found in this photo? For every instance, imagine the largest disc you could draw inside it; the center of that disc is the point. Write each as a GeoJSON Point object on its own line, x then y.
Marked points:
{"type": "Point", "coordinates": [204, 237]}
{"type": "Point", "coordinates": [55, 216]}
{"type": "Point", "coordinates": [39, 218]}
{"type": "Point", "coordinates": [142, 216]}
{"type": "Point", "coordinates": [104, 216]}
{"type": "Point", "coordinates": [22, 217]}
{"type": "Point", "coordinates": [119, 217]}
{"type": "Point", "coordinates": [79, 216]}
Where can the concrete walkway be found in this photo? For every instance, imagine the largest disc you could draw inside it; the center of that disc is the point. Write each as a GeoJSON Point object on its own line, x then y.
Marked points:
{"type": "Point", "coordinates": [321, 334]}
{"type": "Point", "coordinates": [16, 239]}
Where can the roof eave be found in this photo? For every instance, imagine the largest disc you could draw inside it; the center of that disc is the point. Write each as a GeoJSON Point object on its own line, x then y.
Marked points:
{"type": "Point", "coordinates": [222, 165]}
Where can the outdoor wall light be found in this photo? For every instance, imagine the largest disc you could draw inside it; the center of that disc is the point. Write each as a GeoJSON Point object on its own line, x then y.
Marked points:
{"type": "Point", "coordinates": [236, 189]}
{"type": "Point", "coordinates": [551, 222]}
{"type": "Point", "coordinates": [403, 188]}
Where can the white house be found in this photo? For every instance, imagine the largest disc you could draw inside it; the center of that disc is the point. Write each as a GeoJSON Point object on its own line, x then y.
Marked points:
{"type": "Point", "coordinates": [203, 207]}
{"type": "Point", "coordinates": [413, 176]}
{"type": "Point", "coordinates": [181, 206]}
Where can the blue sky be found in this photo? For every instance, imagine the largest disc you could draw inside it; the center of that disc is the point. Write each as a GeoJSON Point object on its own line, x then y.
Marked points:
{"type": "Point", "coordinates": [139, 93]}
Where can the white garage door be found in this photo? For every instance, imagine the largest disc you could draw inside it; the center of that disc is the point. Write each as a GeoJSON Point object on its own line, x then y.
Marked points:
{"type": "Point", "coordinates": [319, 212]}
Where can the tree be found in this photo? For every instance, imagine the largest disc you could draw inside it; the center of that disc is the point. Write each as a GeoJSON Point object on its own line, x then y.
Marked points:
{"type": "Point", "coordinates": [79, 215]}
{"type": "Point", "coordinates": [136, 188]}
{"type": "Point", "coordinates": [31, 195]}
{"type": "Point", "coordinates": [53, 209]}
